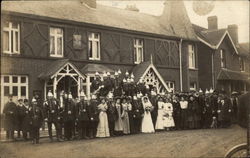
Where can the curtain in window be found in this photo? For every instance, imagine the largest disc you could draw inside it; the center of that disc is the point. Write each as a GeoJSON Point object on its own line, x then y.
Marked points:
{"type": "Point", "coordinates": [6, 37]}
{"type": "Point", "coordinates": [52, 45]}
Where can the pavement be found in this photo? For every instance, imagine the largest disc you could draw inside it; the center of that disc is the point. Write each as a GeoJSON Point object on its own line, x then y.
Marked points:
{"type": "Point", "coordinates": [187, 143]}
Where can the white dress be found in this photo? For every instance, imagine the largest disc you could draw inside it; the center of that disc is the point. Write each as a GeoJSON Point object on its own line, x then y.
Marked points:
{"type": "Point", "coordinates": [168, 115]}
{"type": "Point", "coordinates": [159, 121]}
{"type": "Point", "coordinates": [147, 123]}
{"type": "Point", "coordinates": [103, 127]}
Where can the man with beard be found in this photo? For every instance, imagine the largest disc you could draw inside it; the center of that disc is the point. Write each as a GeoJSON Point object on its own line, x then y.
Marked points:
{"type": "Point", "coordinates": [82, 114]}
{"type": "Point", "coordinates": [10, 113]}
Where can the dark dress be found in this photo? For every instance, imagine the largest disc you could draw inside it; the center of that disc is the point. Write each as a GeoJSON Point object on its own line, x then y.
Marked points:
{"type": "Point", "coordinates": [26, 121]}
{"type": "Point", "coordinates": [176, 113]}
{"type": "Point", "coordinates": [207, 113]}
{"type": "Point", "coordinates": [112, 116]}
{"type": "Point", "coordinates": [69, 119]}
{"type": "Point", "coordinates": [94, 117]}
{"type": "Point", "coordinates": [224, 112]}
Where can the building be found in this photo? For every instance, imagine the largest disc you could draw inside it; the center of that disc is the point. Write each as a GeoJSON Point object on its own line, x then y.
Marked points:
{"type": "Point", "coordinates": [59, 45]}
{"type": "Point", "coordinates": [223, 62]}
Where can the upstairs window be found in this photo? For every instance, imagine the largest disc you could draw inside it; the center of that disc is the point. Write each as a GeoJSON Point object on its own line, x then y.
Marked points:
{"type": "Point", "coordinates": [138, 51]}
{"type": "Point", "coordinates": [56, 42]}
{"type": "Point", "coordinates": [94, 46]}
{"type": "Point", "coordinates": [193, 86]}
{"type": "Point", "coordinates": [191, 53]}
{"type": "Point", "coordinates": [242, 64]}
{"type": "Point", "coordinates": [222, 58]}
{"type": "Point", "coordinates": [11, 38]}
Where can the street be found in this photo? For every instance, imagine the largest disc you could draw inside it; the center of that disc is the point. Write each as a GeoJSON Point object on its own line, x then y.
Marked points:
{"type": "Point", "coordinates": [188, 143]}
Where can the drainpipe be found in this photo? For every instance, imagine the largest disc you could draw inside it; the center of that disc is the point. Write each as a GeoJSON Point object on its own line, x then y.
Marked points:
{"type": "Point", "coordinates": [180, 46]}
{"type": "Point", "coordinates": [213, 82]}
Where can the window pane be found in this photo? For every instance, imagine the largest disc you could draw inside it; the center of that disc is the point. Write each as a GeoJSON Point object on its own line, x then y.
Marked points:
{"type": "Point", "coordinates": [14, 90]}
{"type": "Point", "coordinates": [141, 42]}
{"type": "Point", "coordinates": [94, 49]}
{"type": "Point", "coordinates": [6, 79]}
{"type": "Point", "coordinates": [6, 90]}
{"type": "Point", "coordinates": [52, 30]}
{"type": "Point", "coordinates": [59, 31]}
{"type": "Point", "coordinates": [90, 36]}
{"type": "Point", "coordinates": [16, 40]}
{"type": "Point", "coordinates": [97, 50]}
{"type": "Point", "coordinates": [12, 39]}
{"type": "Point", "coordinates": [23, 79]}
{"type": "Point", "coordinates": [23, 91]}
{"type": "Point", "coordinates": [14, 79]}
{"type": "Point", "coordinates": [90, 49]}
{"type": "Point", "coordinates": [52, 45]}
{"type": "Point", "coordinates": [6, 41]}
{"type": "Point", "coordinates": [6, 24]}
{"type": "Point", "coordinates": [59, 46]}
{"type": "Point", "coordinates": [96, 36]}
{"type": "Point", "coordinates": [135, 55]}
{"type": "Point", "coordinates": [139, 54]}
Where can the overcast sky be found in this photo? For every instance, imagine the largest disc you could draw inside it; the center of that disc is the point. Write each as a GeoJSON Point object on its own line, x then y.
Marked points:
{"type": "Point", "coordinates": [228, 12]}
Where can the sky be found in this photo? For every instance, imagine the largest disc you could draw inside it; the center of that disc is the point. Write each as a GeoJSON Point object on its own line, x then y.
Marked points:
{"type": "Point", "coordinates": [227, 11]}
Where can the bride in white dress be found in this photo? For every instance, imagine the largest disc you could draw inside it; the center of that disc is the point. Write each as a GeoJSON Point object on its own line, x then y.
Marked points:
{"type": "Point", "coordinates": [147, 123]}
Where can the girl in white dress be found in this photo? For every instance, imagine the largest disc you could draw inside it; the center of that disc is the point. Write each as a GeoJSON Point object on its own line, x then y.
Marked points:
{"type": "Point", "coordinates": [168, 115]}
{"type": "Point", "coordinates": [118, 122]}
{"type": "Point", "coordinates": [159, 122]}
{"type": "Point", "coordinates": [103, 127]}
{"type": "Point", "coordinates": [147, 123]}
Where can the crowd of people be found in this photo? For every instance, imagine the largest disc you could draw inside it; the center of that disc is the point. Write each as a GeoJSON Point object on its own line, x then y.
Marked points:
{"type": "Point", "coordinates": [118, 107]}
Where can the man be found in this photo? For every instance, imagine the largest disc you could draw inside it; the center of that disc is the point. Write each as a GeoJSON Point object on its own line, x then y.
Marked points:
{"type": "Point", "coordinates": [137, 111]}
{"type": "Point", "coordinates": [82, 115]}
{"type": "Point", "coordinates": [51, 115]}
{"type": "Point", "coordinates": [19, 117]}
{"type": "Point", "coordinates": [176, 112]}
{"type": "Point", "coordinates": [112, 114]}
{"type": "Point", "coordinates": [10, 113]}
{"type": "Point", "coordinates": [69, 118]}
{"type": "Point", "coordinates": [207, 111]}
{"type": "Point", "coordinates": [96, 83]}
{"type": "Point", "coordinates": [94, 116]}
{"type": "Point", "coordinates": [153, 100]}
{"type": "Point", "coordinates": [36, 120]}
{"type": "Point", "coordinates": [117, 85]}
{"type": "Point", "coordinates": [224, 111]}
{"type": "Point", "coordinates": [26, 123]}
{"type": "Point", "coordinates": [235, 106]}
{"type": "Point", "coordinates": [184, 111]}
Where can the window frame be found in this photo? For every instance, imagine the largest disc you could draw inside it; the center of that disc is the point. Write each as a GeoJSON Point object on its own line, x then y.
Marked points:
{"type": "Point", "coordinates": [56, 36]}
{"type": "Point", "coordinates": [222, 58]}
{"type": "Point", "coordinates": [92, 39]}
{"type": "Point", "coordinates": [137, 46]}
{"type": "Point", "coordinates": [12, 32]}
{"type": "Point", "coordinates": [168, 84]}
{"type": "Point", "coordinates": [191, 50]}
{"type": "Point", "coordinates": [193, 88]}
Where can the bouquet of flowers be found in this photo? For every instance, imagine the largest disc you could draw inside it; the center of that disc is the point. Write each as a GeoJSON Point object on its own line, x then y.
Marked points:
{"type": "Point", "coordinates": [148, 109]}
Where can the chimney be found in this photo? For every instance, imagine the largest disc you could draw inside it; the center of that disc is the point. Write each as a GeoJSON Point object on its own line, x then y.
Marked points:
{"type": "Point", "coordinates": [90, 3]}
{"type": "Point", "coordinates": [233, 31]}
{"type": "Point", "coordinates": [212, 23]}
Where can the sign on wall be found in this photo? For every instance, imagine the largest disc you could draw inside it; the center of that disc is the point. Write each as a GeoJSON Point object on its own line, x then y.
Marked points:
{"type": "Point", "coordinates": [77, 41]}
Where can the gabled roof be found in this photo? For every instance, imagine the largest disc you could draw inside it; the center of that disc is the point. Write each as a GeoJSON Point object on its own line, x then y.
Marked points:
{"type": "Point", "coordinates": [109, 16]}
{"type": "Point", "coordinates": [243, 49]}
{"type": "Point", "coordinates": [56, 66]}
{"type": "Point", "coordinates": [92, 68]}
{"type": "Point", "coordinates": [213, 38]}
{"type": "Point", "coordinates": [226, 74]}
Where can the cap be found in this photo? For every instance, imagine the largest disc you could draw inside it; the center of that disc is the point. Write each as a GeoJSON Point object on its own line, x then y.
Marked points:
{"type": "Point", "coordinates": [124, 80]}
{"type": "Point", "coordinates": [33, 100]}
{"type": "Point", "coordinates": [82, 94]}
{"type": "Point", "coordinates": [126, 73]}
{"type": "Point", "coordinates": [70, 95]}
{"type": "Point", "coordinates": [116, 73]}
{"type": "Point", "coordinates": [97, 73]}
{"type": "Point", "coordinates": [50, 94]}
{"type": "Point", "coordinates": [119, 71]}
{"type": "Point", "coordinates": [132, 75]}
{"type": "Point", "coordinates": [108, 73]}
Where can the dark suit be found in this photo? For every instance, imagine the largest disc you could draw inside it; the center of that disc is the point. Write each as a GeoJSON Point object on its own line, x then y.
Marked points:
{"type": "Point", "coordinates": [10, 113]}
{"type": "Point", "coordinates": [112, 116]}
{"type": "Point", "coordinates": [94, 117]}
{"type": "Point", "coordinates": [82, 113]}
{"type": "Point", "coordinates": [36, 122]}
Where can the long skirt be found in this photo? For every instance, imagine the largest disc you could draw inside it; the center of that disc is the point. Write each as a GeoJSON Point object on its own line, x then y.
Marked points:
{"type": "Point", "coordinates": [168, 121]}
{"type": "Point", "coordinates": [159, 121]}
{"type": "Point", "coordinates": [147, 123]}
{"type": "Point", "coordinates": [125, 123]}
{"type": "Point", "coordinates": [103, 127]}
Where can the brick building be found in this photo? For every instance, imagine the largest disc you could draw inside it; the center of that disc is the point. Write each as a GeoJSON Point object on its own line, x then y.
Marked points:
{"type": "Point", "coordinates": [223, 62]}
{"type": "Point", "coordinates": [59, 45]}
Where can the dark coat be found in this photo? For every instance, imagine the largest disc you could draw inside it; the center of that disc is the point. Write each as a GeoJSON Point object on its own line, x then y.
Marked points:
{"type": "Point", "coordinates": [176, 109]}
{"type": "Point", "coordinates": [112, 112]}
{"type": "Point", "coordinates": [26, 118]}
{"type": "Point", "coordinates": [51, 110]}
{"type": "Point", "coordinates": [36, 117]}
{"type": "Point", "coordinates": [10, 113]}
{"type": "Point", "coordinates": [224, 114]}
{"type": "Point", "coordinates": [69, 111]}
{"type": "Point", "coordinates": [137, 109]}
{"type": "Point", "coordinates": [244, 109]}
{"type": "Point", "coordinates": [82, 111]}
{"type": "Point", "coordinates": [93, 111]}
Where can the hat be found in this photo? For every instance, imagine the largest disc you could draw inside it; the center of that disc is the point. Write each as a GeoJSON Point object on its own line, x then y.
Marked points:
{"type": "Point", "coordinates": [153, 92]}
{"type": "Point", "coordinates": [234, 93]}
{"type": "Point", "coordinates": [162, 93]}
{"type": "Point", "coordinates": [211, 90]}
{"type": "Point", "coordinates": [50, 94]}
{"type": "Point", "coordinates": [119, 71]}
{"type": "Point", "coordinates": [128, 80]}
{"type": "Point", "coordinates": [82, 94]}
{"type": "Point", "coordinates": [97, 73]}
{"type": "Point", "coordinates": [126, 73]}
{"type": "Point", "coordinates": [207, 92]}
{"type": "Point", "coordinates": [93, 96]}
{"type": "Point", "coordinates": [70, 95]}
{"type": "Point", "coordinates": [104, 74]}
{"type": "Point", "coordinates": [33, 100]}
{"type": "Point", "coordinates": [116, 73]}
{"type": "Point", "coordinates": [134, 97]}
{"type": "Point", "coordinates": [124, 80]}
{"type": "Point", "coordinates": [132, 80]}
{"type": "Point", "coordinates": [132, 75]}
{"type": "Point", "coordinates": [141, 80]}
{"type": "Point", "coordinates": [108, 73]}
{"type": "Point", "coordinates": [200, 91]}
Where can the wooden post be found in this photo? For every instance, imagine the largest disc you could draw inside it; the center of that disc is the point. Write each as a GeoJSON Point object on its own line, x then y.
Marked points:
{"type": "Point", "coordinates": [45, 89]}
{"type": "Point", "coordinates": [78, 86]}
{"type": "Point", "coordinates": [88, 86]}
{"type": "Point", "coordinates": [54, 87]}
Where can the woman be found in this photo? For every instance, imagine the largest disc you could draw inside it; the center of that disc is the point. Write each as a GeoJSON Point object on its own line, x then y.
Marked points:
{"type": "Point", "coordinates": [147, 123]}
{"type": "Point", "coordinates": [184, 112]}
{"type": "Point", "coordinates": [103, 127]}
{"type": "Point", "coordinates": [125, 118]}
{"type": "Point", "coordinates": [159, 121]}
{"type": "Point", "coordinates": [118, 122]}
{"type": "Point", "coordinates": [168, 115]}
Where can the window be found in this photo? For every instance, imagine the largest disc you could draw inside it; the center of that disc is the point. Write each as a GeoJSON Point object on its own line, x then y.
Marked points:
{"type": "Point", "coordinates": [11, 38]}
{"type": "Point", "coordinates": [16, 85]}
{"type": "Point", "coordinates": [138, 51]}
{"type": "Point", "coordinates": [223, 58]}
{"type": "Point", "coordinates": [193, 86]}
{"type": "Point", "coordinates": [170, 85]}
{"type": "Point", "coordinates": [56, 42]}
{"type": "Point", "coordinates": [191, 54]}
{"type": "Point", "coordinates": [94, 46]}
{"type": "Point", "coordinates": [242, 64]}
